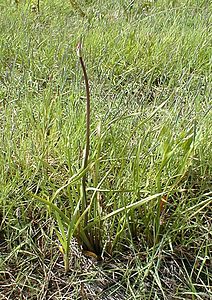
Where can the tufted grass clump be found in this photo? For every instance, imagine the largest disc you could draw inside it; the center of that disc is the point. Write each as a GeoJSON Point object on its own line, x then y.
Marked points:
{"type": "Point", "coordinates": [134, 220]}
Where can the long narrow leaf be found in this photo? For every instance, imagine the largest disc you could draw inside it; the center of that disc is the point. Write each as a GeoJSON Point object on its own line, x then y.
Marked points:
{"type": "Point", "coordinates": [130, 206]}
{"type": "Point", "coordinates": [52, 206]}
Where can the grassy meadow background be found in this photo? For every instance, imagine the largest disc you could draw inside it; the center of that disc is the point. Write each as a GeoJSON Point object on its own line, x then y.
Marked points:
{"type": "Point", "coordinates": [146, 229]}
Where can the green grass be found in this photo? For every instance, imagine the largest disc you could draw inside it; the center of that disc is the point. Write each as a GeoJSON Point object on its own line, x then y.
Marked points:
{"type": "Point", "coordinates": [149, 171]}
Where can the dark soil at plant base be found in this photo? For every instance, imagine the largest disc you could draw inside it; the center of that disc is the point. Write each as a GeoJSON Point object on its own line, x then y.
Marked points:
{"type": "Point", "coordinates": [35, 271]}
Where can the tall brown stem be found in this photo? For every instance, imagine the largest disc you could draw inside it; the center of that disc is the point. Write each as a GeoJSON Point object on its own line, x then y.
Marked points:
{"type": "Point", "coordinates": [87, 146]}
